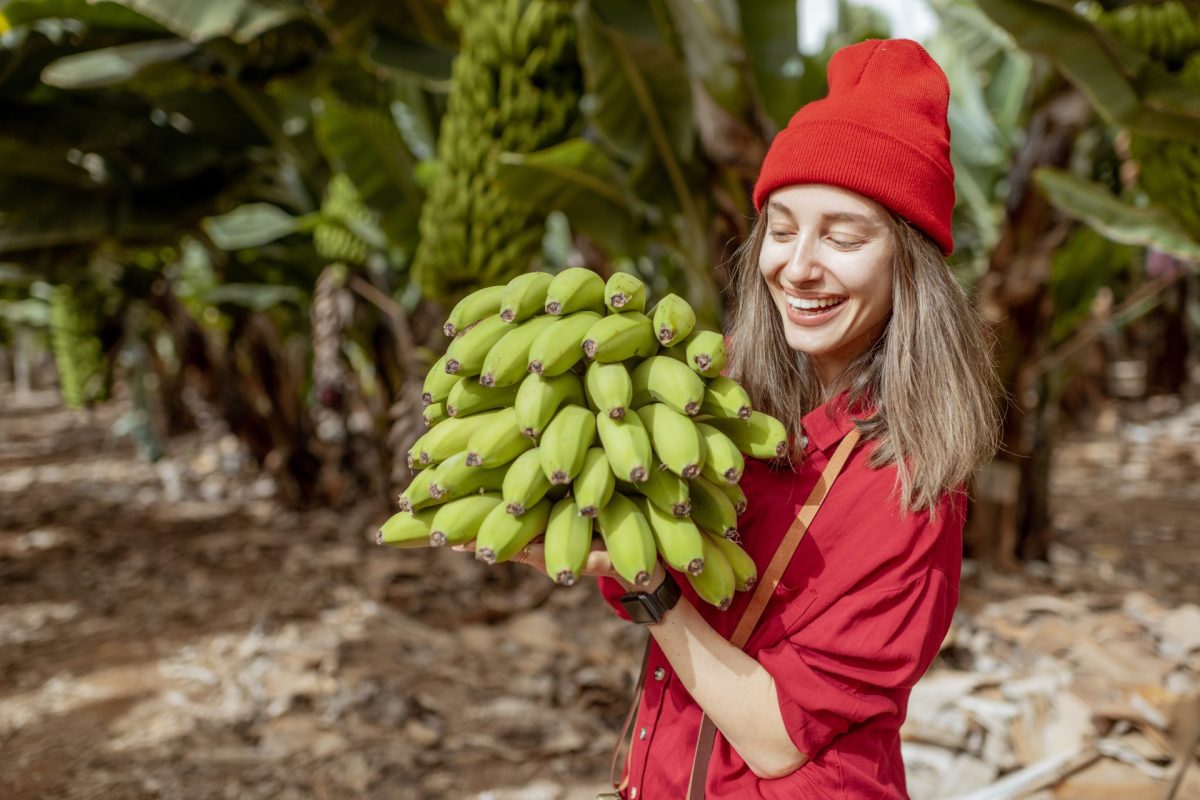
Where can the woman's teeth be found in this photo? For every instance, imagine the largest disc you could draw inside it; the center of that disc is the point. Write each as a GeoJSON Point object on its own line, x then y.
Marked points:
{"type": "Point", "coordinates": [805, 304]}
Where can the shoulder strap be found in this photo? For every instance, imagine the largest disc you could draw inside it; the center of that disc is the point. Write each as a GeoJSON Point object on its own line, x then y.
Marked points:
{"type": "Point", "coordinates": [625, 739]}
{"type": "Point", "coordinates": [764, 592]}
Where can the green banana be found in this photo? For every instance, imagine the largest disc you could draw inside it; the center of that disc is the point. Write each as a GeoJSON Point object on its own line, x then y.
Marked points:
{"type": "Point", "coordinates": [674, 319]}
{"type": "Point", "coordinates": [675, 439]}
{"type": "Point", "coordinates": [457, 477]}
{"type": "Point", "coordinates": [539, 397]}
{"type": "Point", "coordinates": [444, 440]}
{"type": "Point", "coordinates": [565, 442]}
{"type": "Point", "coordinates": [502, 535]}
{"type": "Point", "coordinates": [667, 381]}
{"type": "Point", "coordinates": [416, 495]}
{"type": "Point", "coordinates": [433, 414]}
{"type": "Point", "coordinates": [458, 521]}
{"type": "Point", "coordinates": [666, 490]}
{"type": "Point", "coordinates": [725, 397]}
{"type": "Point", "coordinates": [593, 486]}
{"type": "Point", "coordinates": [758, 436]}
{"type": "Point", "coordinates": [524, 482]}
{"type": "Point", "coordinates": [466, 353]}
{"type": "Point", "coordinates": [745, 571]}
{"type": "Point", "coordinates": [736, 496]}
{"type": "Point", "coordinates": [498, 442]}
{"type": "Point", "coordinates": [624, 292]}
{"type": "Point", "coordinates": [706, 353]}
{"type": "Point", "coordinates": [508, 360]}
{"type": "Point", "coordinates": [406, 529]}
{"type": "Point", "coordinates": [723, 462]}
{"type": "Point", "coordinates": [575, 289]}
{"type": "Point", "coordinates": [472, 308]}
{"type": "Point", "coordinates": [438, 382]}
{"type": "Point", "coordinates": [618, 337]}
{"type": "Point", "coordinates": [609, 388]}
{"type": "Point", "coordinates": [560, 347]}
{"type": "Point", "coordinates": [628, 539]}
{"type": "Point", "coordinates": [712, 509]}
{"type": "Point", "coordinates": [716, 584]}
{"type": "Point", "coordinates": [627, 446]}
{"type": "Point", "coordinates": [678, 538]}
{"type": "Point", "coordinates": [524, 296]}
{"type": "Point", "coordinates": [568, 542]}
{"type": "Point", "coordinates": [470, 397]}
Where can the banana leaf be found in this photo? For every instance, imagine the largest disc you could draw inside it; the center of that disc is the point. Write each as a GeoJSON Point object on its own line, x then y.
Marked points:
{"type": "Point", "coordinates": [1117, 81]}
{"type": "Point", "coordinates": [201, 20]}
{"type": "Point", "coordinates": [578, 179]}
{"type": "Point", "coordinates": [101, 14]}
{"type": "Point", "coordinates": [769, 30]}
{"type": "Point", "coordinates": [710, 37]}
{"type": "Point", "coordinates": [111, 65]}
{"type": "Point", "coordinates": [1094, 205]}
{"type": "Point", "coordinates": [250, 225]}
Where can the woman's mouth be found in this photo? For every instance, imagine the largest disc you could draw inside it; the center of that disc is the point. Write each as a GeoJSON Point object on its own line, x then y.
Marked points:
{"type": "Point", "coordinates": [812, 310]}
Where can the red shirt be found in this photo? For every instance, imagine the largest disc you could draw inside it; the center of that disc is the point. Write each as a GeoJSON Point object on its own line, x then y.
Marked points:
{"type": "Point", "coordinates": [857, 618]}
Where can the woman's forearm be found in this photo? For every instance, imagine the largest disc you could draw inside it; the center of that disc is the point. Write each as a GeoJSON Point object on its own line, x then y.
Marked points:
{"type": "Point", "coordinates": [732, 688]}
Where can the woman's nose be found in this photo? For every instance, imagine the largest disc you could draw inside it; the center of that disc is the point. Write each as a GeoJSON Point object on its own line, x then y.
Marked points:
{"type": "Point", "coordinates": [803, 265]}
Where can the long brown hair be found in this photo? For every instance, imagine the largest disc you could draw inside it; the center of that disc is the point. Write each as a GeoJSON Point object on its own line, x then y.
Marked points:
{"type": "Point", "coordinates": [929, 376]}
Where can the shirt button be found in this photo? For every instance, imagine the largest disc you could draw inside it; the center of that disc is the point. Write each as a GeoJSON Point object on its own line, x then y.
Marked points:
{"type": "Point", "coordinates": [633, 793]}
{"type": "Point", "coordinates": [659, 674]}
{"type": "Point", "coordinates": [642, 733]}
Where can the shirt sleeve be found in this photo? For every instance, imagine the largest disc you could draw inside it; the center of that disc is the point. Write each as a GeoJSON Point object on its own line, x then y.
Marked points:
{"type": "Point", "coordinates": [857, 659]}
{"type": "Point", "coordinates": [611, 591]}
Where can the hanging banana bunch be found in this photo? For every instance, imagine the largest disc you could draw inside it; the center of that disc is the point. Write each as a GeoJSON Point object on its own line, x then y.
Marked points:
{"type": "Point", "coordinates": [515, 86]}
{"type": "Point", "coordinates": [78, 354]}
{"type": "Point", "coordinates": [1170, 168]}
{"type": "Point", "coordinates": [337, 236]}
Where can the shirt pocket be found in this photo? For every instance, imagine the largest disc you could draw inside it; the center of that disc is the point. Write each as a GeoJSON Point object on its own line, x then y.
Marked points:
{"type": "Point", "coordinates": [796, 607]}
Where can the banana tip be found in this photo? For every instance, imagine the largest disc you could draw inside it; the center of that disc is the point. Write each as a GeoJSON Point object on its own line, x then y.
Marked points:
{"type": "Point", "coordinates": [486, 555]}
{"type": "Point", "coordinates": [690, 471]}
{"type": "Point", "coordinates": [589, 348]}
{"type": "Point", "coordinates": [681, 509]}
{"type": "Point", "coordinates": [449, 329]}
{"type": "Point", "coordinates": [638, 475]}
{"type": "Point", "coordinates": [744, 412]}
{"type": "Point", "coordinates": [692, 409]}
{"type": "Point", "coordinates": [453, 366]}
{"type": "Point", "coordinates": [474, 460]}
{"type": "Point", "coordinates": [554, 308]}
{"type": "Point", "coordinates": [642, 578]}
{"type": "Point", "coordinates": [565, 578]}
{"type": "Point", "coordinates": [535, 367]}
{"type": "Point", "coordinates": [487, 379]}
{"type": "Point", "coordinates": [617, 413]}
{"type": "Point", "coordinates": [618, 300]}
{"type": "Point", "coordinates": [751, 582]}
{"type": "Point", "coordinates": [516, 509]}
{"type": "Point", "coordinates": [508, 315]}
{"type": "Point", "coordinates": [703, 360]}
{"type": "Point", "coordinates": [588, 511]}
{"type": "Point", "coordinates": [665, 336]}
{"type": "Point", "coordinates": [695, 566]}
{"type": "Point", "coordinates": [437, 538]}
{"type": "Point", "coordinates": [379, 536]}
{"type": "Point", "coordinates": [559, 477]}
{"type": "Point", "coordinates": [426, 398]}
{"type": "Point", "coordinates": [725, 603]}
{"type": "Point", "coordinates": [436, 491]}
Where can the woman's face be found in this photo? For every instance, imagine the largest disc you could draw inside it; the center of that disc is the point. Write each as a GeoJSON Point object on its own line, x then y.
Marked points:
{"type": "Point", "coordinates": [827, 259]}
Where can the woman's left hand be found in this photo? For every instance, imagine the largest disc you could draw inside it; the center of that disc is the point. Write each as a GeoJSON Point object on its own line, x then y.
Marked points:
{"type": "Point", "coordinates": [598, 563]}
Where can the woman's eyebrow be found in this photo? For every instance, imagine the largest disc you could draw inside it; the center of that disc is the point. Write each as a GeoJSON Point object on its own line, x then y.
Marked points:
{"type": "Point", "coordinates": [829, 216]}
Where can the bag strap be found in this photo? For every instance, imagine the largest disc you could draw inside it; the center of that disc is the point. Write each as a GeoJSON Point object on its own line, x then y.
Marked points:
{"type": "Point", "coordinates": [625, 740]}
{"type": "Point", "coordinates": [764, 592]}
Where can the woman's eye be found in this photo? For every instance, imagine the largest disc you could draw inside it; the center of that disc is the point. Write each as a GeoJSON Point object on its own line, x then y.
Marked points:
{"type": "Point", "coordinates": [777, 235]}
{"type": "Point", "coordinates": [841, 243]}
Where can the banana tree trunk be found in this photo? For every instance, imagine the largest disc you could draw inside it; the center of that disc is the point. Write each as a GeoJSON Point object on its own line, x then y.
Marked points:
{"type": "Point", "coordinates": [1010, 518]}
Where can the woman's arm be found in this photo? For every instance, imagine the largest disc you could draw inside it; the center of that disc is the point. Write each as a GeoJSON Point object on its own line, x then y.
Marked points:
{"type": "Point", "coordinates": [730, 686]}
{"type": "Point", "coordinates": [736, 692]}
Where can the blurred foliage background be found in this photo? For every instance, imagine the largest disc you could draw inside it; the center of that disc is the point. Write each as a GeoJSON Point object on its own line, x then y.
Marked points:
{"type": "Point", "coordinates": [257, 211]}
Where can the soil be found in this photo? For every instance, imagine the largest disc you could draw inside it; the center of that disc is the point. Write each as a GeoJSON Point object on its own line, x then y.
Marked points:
{"type": "Point", "coordinates": [167, 630]}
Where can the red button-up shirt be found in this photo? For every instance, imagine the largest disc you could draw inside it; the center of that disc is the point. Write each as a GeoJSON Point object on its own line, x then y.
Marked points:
{"type": "Point", "coordinates": [857, 618]}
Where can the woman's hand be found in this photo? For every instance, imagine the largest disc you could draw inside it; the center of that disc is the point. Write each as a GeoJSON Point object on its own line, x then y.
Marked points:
{"type": "Point", "coordinates": [598, 564]}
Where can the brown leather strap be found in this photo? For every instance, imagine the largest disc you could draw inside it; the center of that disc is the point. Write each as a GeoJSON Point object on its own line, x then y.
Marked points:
{"type": "Point", "coordinates": [764, 592]}
{"type": "Point", "coordinates": [625, 740]}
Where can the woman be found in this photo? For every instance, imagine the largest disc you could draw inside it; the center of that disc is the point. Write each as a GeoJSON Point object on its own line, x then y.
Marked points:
{"type": "Point", "coordinates": [845, 316]}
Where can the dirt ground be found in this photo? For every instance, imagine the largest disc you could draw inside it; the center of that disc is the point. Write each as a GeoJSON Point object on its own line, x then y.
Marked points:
{"type": "Point", "coordinates": [167, 631]}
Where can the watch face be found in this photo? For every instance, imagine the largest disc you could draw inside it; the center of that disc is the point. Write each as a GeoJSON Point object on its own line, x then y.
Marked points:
{"type": "Point", "coordinates": [641, 608]}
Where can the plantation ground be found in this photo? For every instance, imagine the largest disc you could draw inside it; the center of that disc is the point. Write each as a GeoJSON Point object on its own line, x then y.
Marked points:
{"type": "Point", "coordinates": [167, 631]}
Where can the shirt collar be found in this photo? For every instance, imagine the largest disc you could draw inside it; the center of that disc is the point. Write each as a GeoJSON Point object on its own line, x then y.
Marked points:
{"type": "Point", "coordinates": [829, 422]}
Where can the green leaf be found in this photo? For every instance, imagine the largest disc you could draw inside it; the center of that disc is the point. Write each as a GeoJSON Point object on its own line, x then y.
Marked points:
{"type": "Point", "coordinates": [412, 56]}
{"type": "Point", "coordinates": [578, 179]}
{"type": "Point", "coordinates": [637, 91]}
{"type": "Point", "coordinates": [770, 36]}
{"type": "Point", "coordinates": [89, 12]}
{"type": "Point", "coordinates": [201, 20]}
{"type": "Point", "coordinates": [366, 144]}
{"type": "Point", "coordinates": [255, 296]}
{"type": "Point", "coordinates": [251, 225]}
{"type": "Point", "coordinates": [1094, 205]}
{"type": "Point", "coordinates": [109, 65]}
{"type": "Point", "coordinates": [1105, 70]}
{"type": "Point", "coordinates": [712, 46]}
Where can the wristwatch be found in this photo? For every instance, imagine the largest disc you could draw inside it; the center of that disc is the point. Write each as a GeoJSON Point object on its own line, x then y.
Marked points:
{"type": "Point", "coordinates": [647, 608]}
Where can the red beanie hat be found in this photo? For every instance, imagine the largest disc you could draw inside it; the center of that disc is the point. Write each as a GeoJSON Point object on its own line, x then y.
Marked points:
{"type": "Point", "coordinates": [881, 132]}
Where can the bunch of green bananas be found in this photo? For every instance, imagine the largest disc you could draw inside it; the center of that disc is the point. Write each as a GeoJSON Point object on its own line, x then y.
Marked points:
{"type": "Point", "coordinates": [563, 405]}
{"type": "Point", "coordinates": [1165, 31]}
{"type": "Point", "coordinates": [334, 237]}
{"type": "Point", "coordinates": [515, 87]}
